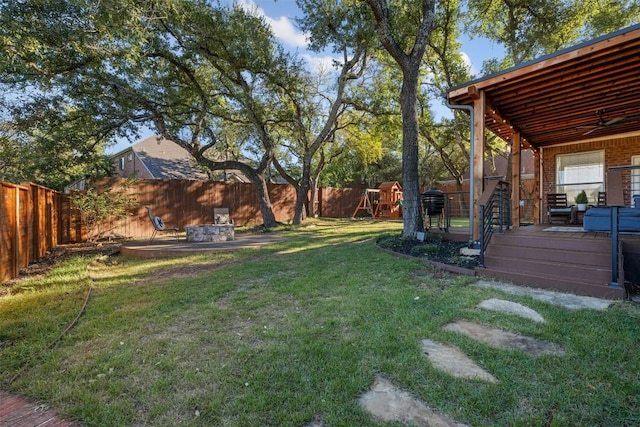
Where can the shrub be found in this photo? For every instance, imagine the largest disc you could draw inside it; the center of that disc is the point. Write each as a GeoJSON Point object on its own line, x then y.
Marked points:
{"type": "Point", "coordinates": [433, 238]}
{"type": "Point", "coordinates": [425, 249]}
{"type": "Point", "coordinates": [99, 208]}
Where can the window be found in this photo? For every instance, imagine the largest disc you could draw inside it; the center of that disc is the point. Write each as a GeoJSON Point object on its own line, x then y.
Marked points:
{"type": "Point", "coordinates": [580, 171]}
{"type": "Point", "coordinates": [121, 163]}
{"type": "Point", "coordinates": [130, 157]}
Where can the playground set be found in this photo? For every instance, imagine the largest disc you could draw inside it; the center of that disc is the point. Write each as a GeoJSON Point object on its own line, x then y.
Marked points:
{"type": "Point", "coordinates": [385, 202]}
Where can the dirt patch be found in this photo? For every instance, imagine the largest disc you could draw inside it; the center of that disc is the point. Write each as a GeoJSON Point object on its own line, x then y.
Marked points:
{"type": "Point", "coordinates": [185, 271]}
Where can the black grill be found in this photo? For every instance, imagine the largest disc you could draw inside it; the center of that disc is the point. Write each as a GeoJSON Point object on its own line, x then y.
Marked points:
{"type": "Point", "coordinates": [432, 202]}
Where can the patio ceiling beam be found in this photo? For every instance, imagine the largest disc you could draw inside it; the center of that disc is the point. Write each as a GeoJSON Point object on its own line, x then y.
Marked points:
{"type": "Point", "coordinates": [502, 127]}
{"type": "Point", "coordinates": [584, 91]}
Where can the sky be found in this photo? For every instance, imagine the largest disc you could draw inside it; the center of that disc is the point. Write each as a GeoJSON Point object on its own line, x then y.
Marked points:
{"type": "Point", "coordinates": [280, 15]}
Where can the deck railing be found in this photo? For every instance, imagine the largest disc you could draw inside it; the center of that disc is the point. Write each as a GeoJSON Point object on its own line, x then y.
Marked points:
{"type": "Point", "coordinates": [623, 183]}
{"type": "Point", "coordinates": [623, 189]}
{"type": "Point", "coordinates": [495, 212]}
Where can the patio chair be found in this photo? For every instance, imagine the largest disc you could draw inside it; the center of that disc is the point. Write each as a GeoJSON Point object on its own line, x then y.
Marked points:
{"type": "Point", "coordinates": [557, 207]}
{"type": "Point", "coordinates": [159, 225]}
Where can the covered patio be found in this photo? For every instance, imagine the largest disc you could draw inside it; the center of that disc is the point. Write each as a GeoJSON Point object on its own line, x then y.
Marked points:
{"type": "Point", "coordinates": [577, 110]}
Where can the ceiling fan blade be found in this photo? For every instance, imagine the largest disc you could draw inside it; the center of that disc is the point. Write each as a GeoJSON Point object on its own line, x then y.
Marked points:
{"type": "Point", "coordinates": [592, 130]}
{"type": "Point", "coordinates": [587, 127]}
{"type": "Point", "coordinates": [614, 121]}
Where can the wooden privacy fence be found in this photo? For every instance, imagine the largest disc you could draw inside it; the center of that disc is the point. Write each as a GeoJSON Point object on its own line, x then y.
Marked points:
{"type": "Point", "coordinates": [33, 220]}
{"type": "Point", "coordinates": [189, 202]}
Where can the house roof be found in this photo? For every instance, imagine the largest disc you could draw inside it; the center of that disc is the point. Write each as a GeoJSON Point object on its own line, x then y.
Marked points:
{"type": "Point", "coordinates": [555, 99]}
{"type": "Point", "coordinates": [165, 159]}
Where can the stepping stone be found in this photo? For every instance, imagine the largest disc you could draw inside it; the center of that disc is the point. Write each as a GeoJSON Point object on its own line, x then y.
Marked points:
{"type": "Point", "coordinates": [501, 339]}
{"type": "Point", "coordinates": [511, 307]}
{"type": "Point", "coordinates": [388, 403]}
{"type": "Point", "coordinates": [314, 423]}
{"type": "Point", "coordinates": [454, 362]}
{"type": "Point", "coordinates": [568, 301]}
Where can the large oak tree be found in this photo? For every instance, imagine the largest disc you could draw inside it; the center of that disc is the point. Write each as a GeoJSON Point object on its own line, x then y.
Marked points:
{"type": "Point", "coordinates": [403, 30]}
{"type": "Point", "coordinates": [184, 68]}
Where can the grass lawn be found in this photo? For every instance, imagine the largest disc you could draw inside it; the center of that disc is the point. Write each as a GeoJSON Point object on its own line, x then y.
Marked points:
{"type": "Point", "coordinates": [295, 332]}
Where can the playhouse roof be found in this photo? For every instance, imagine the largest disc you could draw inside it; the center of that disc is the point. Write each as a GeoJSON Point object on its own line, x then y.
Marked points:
{"type": "Point", "coordinates": [390, 185]}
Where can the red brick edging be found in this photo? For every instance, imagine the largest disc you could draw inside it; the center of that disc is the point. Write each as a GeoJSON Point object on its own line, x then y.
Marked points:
{"type": "Point", "coordinates": [19, 411]}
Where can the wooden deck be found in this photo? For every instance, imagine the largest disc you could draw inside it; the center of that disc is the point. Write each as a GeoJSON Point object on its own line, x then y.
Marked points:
{"type": "Point", "coordinates": [566, 258]}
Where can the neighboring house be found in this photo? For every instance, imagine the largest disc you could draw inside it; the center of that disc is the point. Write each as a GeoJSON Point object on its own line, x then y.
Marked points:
{"type": "Point", "coordinates": [159, 158]}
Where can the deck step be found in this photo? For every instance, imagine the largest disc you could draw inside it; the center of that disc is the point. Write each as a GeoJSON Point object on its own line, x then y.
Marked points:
{"type": "Point", "coordinates": [601, 290]}
{"type": "Point", "coordinates": [579, 257]}
{"type": "Point", "coordinates": [581, 264]}
{"type": "Point", "coordinates": [564, 269]}
{"type": "Point", "coordinates": [559, 243]}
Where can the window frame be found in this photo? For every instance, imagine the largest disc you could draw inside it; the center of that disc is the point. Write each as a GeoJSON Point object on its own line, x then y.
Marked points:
{"type": "Point", "coordinates": [635, 176]}
{"type": "Point", "coordinates": [572, 187]}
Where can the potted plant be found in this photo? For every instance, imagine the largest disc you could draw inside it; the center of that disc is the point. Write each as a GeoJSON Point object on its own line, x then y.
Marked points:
{"type": "Point", "coordinates": [582, 200]}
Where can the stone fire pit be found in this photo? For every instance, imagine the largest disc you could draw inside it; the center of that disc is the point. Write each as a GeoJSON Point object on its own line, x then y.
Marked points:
{"type": "Point", "coordinates": [210, 233]}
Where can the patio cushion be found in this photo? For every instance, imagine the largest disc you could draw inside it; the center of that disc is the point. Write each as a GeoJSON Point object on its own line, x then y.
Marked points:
{"type": "Point", "coordinates": [599, 219]}
{"type": "Point", "coordinates": [560, 210]}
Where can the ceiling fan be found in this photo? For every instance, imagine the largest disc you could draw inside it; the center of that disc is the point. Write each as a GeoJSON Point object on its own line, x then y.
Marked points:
{"type": "Point", "coordinates": [601, 123]}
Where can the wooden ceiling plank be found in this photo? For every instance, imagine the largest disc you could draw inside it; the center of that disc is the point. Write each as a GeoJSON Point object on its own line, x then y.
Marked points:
{"type": "Point", "coordinates": [630, 72]}
{"type": "Point", "coordinates": [620, 42]}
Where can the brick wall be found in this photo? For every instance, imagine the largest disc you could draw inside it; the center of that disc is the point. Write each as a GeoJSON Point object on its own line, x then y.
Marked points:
{"type": "Point", "coordinates": [617, 152]}
{"type": "Point", "coordinates": [133, 167]}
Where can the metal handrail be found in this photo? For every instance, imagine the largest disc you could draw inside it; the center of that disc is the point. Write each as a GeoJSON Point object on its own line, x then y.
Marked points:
{"type": "Point", "coordinates": [623, 199]}
{"type": "Point", "coordinates": [495, 210]}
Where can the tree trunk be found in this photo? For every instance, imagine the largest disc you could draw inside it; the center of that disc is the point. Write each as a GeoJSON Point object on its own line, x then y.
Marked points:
{"type": "Point", "coordinates": [410, 66]}
{"type": "Point", "coordinates": [411, 214]}
{"type": "Point", "coordinates": [313, 197]}
{"type": "Point", "coordinates": [266, 209]}
{"type": "Point", "coordinates": [303, 190]}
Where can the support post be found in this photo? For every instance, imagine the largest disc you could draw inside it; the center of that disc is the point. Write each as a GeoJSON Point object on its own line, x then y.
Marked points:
{"type": "Point", "coordinates": [515, 180]}
{"type": "Point", "coordinates": [615, 210]}
{"type": "Point", "coordinates": [479, 107]}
